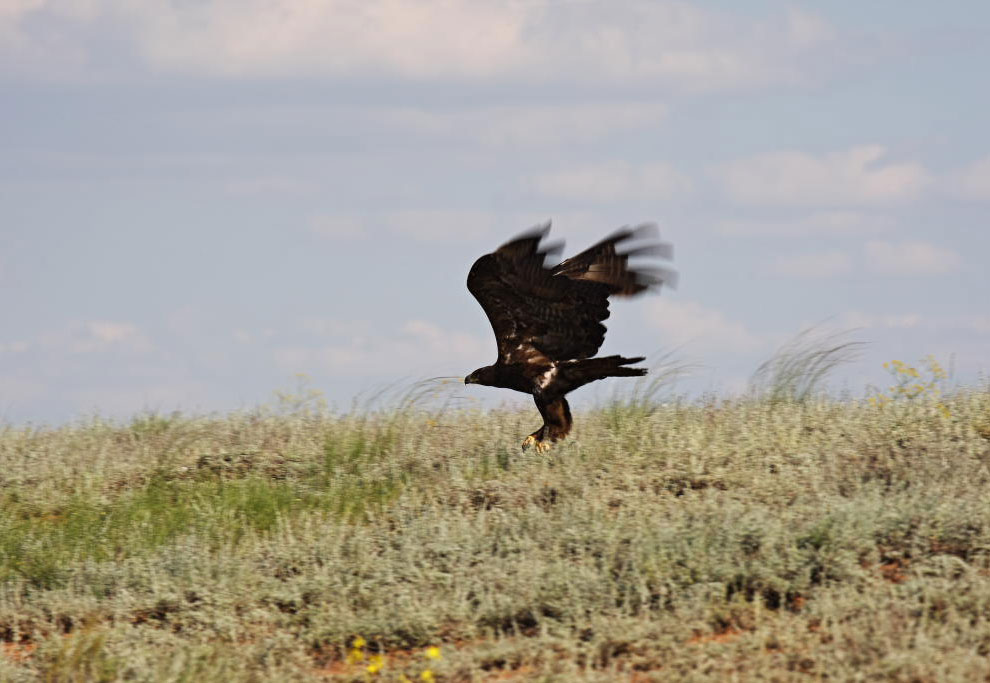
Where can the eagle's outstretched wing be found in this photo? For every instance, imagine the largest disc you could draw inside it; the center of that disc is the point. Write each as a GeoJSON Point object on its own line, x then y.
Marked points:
{"type": "Point", "coordinates": [556, 312]}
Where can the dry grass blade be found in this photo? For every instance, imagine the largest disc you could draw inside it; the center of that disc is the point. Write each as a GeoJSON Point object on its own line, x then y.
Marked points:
{"type": "Point", "coordinates": [799, 369]}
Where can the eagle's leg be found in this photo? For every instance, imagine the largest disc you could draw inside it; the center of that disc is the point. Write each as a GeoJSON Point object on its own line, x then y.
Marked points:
{"type": "Point", "coordinates": [556, 424]}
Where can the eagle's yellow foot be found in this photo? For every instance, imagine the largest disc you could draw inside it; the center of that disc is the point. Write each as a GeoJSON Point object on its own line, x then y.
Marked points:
{"type": "Point", "coordinates": [541, 446]}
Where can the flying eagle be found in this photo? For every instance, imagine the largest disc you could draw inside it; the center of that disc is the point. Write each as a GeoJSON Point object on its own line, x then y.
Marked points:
{"type": "Point", "coordinates": [547, 320]}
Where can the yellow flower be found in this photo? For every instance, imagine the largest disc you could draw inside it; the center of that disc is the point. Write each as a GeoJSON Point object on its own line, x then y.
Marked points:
{"type": "Point", "coordinates": [358, 643]}
{"type": "Point", "coordinates": [375, 664]}
{"type": "Point", "coordinates": [355, 656]}
{"type": "Point", "coordinates": [433, 653]}
{"type": "Point", "coordinates": [428, 676]}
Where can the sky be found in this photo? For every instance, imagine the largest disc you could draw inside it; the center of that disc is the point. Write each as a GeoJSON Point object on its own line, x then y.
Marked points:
{"type": "Point", "coordinates": [202, 199]}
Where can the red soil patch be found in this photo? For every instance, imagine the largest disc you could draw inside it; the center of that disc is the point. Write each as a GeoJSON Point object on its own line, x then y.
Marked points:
{"type": "Point", "coordinates": [17, 652]}
{"type": "Point", "coordinates": [893, 571]}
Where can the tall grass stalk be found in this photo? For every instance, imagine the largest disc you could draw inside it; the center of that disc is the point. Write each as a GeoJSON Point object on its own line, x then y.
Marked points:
{"type": "Point", "coordinates": [799, 369]}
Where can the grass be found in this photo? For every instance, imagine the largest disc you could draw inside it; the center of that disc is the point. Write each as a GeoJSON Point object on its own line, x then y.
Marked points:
{"type": "Point", "coordinates": [750, 538]}
{"type": "Point", "coordinates": [799, 369]}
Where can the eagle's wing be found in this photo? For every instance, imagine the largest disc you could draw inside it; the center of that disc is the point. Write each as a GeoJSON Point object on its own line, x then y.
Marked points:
{"type": "Point", "coordinates": [603, 264]}
{"type": "Point", "coordinates": [539, 313]}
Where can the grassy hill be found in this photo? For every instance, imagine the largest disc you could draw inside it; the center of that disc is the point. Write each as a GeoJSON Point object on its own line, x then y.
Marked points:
{"type": "Point", "coordinates": [699, 541]}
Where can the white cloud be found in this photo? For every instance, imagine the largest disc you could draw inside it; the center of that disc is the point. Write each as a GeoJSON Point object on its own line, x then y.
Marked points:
{"type": "Point", "coordinates": [56, 47]}
{"type": "Point", "coordinates": [971, 181]}
{"type": "Point", "coordinates": [258, 37]}
{"type": "Point", "coordinates": [614, 181]}
{"type": "Point", "coordinates": [14, 347]}
{"type": "Point", "coordinates": [94, 337]}
{"type": "Point", "coordinates": [806, 30]}
{"type": "Point", "coordinates": [335, 327]}
{"type": "Point", "coordinates": [855, 176]}
{"type": "Point", "coordinates": [688, 323]}
{"type": "Point", "coordinates": [825, 264]}
{"type": "Point", "coordinates": [910, 258]}
{"type": "Point", "coordinates": [109, 332]}
{"type": "Point", "coordinates": [529, 125]}
{"type": "Point", "coordinates": [417, 347]}
{"type": "Point", "coordinates": [667, 42]}
{"type": "Point", "coordinates": [242, 336]}
{"type": "Point", "coordinates": [821, 222]}
{"type": "Point", "coordinates": [15, 8]}
{"type": "Point", "coordinates": [958, 340]}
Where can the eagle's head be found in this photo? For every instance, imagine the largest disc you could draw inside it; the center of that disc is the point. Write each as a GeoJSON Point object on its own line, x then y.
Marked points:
{"type": "Point", "coordinates": [480, 376]}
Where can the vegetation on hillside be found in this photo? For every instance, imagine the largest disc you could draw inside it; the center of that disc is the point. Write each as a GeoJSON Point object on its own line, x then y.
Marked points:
{"type": "Point", "coordinates": [758, 536]}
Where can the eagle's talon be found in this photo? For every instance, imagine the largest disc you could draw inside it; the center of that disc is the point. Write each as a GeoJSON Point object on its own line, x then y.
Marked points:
{"type": "Point", "coordinates": [540, 445]}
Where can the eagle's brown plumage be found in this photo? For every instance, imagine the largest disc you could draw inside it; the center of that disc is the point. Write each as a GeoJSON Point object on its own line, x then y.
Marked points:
{"type": "Point", "coordinates": [548, 320]}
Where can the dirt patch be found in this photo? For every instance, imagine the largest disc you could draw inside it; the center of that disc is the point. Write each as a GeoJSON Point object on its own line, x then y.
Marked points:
{"type": "Point", "coordinates": [726, 636]}
{"type": "Point", "coordinates": [893, 570]}
{"type": "Point", "coordinates": [17, 652]}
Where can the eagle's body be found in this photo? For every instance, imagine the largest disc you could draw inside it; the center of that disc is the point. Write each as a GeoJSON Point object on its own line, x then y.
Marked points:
{"type": "Point", "coordinates": [548, 320]}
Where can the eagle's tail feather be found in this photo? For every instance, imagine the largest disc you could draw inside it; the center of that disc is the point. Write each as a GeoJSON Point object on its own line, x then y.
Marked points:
{"type": "Point", "coordinates": [591, 369]}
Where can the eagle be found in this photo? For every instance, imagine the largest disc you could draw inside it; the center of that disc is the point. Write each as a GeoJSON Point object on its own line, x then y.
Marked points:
{"type": "Point", "coordinates": [548, 319]}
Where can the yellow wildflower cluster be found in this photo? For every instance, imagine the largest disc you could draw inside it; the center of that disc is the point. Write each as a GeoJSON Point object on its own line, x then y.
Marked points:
{"type": "Point", "coordinates": [356, 655]}
{"type": "Point", "coordinates": [911, 383]}
{"type": "Point", "coordinates": [427, 673]}
{"type": "Point", "coordinates": [376, 662]}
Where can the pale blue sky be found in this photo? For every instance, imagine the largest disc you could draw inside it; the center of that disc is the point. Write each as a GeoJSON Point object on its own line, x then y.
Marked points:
{"type": "Point", "coordinates": [200, 199]}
